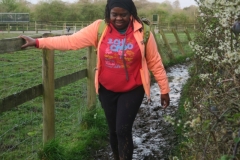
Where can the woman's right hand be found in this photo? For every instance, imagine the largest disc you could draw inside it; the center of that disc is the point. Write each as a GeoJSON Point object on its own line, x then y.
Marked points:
{"type": "Point", "coordinates": [29, 41]}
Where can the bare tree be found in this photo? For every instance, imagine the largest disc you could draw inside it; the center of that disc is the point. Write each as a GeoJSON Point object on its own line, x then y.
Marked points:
{"type": "Point", "coordinates": [176, 4]}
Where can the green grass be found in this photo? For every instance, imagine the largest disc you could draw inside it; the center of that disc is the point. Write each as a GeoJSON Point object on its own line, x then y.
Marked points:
{"type": "Point", "coordinates": [76, 128]}
{"type": "Point", "coordinates": [78, 133]}
{"type": "Point", "coordinates": [11, 35]}
{"type": "Point", "coordinates": [21, 128]}
{"type": "Point", "coordinates": [179, 57]}
{"type": "Point", "coordinates": [21, 70]}
{"type": "Point", "coordinates": [91, 136]}
{"type": "Point", "coordinates": [182, 114]}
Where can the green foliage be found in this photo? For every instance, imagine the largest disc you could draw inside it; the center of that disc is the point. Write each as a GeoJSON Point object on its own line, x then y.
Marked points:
{"type": "Point", "coordinates": [52, 150]}
{"type": "Point", "coordinates": [182, 115]}
{"type": "Point", "coordinates": [92, 12]}
{"type": "Point", "coordinates": [14, 6]}
{"type": "Point", "coordinates": [89, 141]}
{"type": "Point", "coordinates": [178, 18]}
{"type": "Point", "coordinates": [50, 11]}
{"type": "Point", "coordinates": [73, 13]}
{"type": "Point", "coordinates": [210, 112]}
{"type": "Point", "coordinates": [178, 56]}
{"type": "Point", "coordinates": [8, 5]}
{"type": "Point", "coordinates": [237, 140]}
{"type": "Point", "coordinates": [55, 10]}
{"type": "Point", "coordinates": [226, 157]}
{"type": "Point", "coordinates": [178, 59]}
{"type": "Point", "coordinates": [93, 135]}
{"type": "Point", "coordinates": [163, 15]}
{"type": "Point", "coordinates": [59, 11]}
{"type": "Point", "coordinates": [94, 118]}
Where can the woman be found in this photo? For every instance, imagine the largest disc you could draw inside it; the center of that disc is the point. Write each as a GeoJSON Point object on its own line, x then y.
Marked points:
{"type": "Point", "coordinates": [122, 75]}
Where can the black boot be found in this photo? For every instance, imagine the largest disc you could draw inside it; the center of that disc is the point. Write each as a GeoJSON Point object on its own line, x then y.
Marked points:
{"type": "Point", "coordinates": [116, 156]}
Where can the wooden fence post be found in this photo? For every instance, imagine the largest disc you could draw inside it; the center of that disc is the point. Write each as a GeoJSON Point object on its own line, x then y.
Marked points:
{"type": "Point", "coordinates": [48, 94]}
{"type": "Point", "coordinates": [64, 28]}
{"type": "Point", "coordinates": [75, 28]}
{"type": "Point", "coordinates": [188, 35]}
{"type": "Point", "coordinates": [158, 45]}
{"type": "Point", "coordinates": [50, 27]}
{"type": "Point", "coordinates": [178, 41]}
{"type": "Point", "coordinates": [8, 26]}
{"type": "Point", "coordinates": [23, 28]}
{"type": "Point", "coordinates": [169, 53]}
{"type": "Point", "coordinates": [91, 64]}
{"type": "Point", "coordinates": [36, 28]}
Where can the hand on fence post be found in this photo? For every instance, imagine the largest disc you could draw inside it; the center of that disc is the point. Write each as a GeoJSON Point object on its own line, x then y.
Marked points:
{"type": "Point", "coordinates": [29, 41]}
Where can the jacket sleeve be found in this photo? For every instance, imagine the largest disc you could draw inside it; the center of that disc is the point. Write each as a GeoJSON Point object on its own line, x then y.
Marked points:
{"type": "Point", "coordinates": [155, 65]}
{"type": "Point", "coordinates": [83, 38]}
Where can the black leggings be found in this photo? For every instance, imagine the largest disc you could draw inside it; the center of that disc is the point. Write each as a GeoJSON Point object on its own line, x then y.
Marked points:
{"type": "Point", "coordinates": [121, 109]}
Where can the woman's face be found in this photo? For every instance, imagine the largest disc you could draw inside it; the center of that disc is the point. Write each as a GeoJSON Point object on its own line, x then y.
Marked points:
{"type": "Point", "coordinates": [119, 18]}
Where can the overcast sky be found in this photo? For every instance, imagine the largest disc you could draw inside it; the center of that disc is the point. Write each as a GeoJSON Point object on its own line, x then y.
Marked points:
{"type": "Point", "coordinates": [183, 3]}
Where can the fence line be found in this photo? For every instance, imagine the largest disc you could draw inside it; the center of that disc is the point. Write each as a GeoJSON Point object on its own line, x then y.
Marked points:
{"type": "Point", "coordinates": [42, 26]}
{"type": "Point", "coordinates": [47, 87]}
{"type": "Point", "coordinates": [61, 25]}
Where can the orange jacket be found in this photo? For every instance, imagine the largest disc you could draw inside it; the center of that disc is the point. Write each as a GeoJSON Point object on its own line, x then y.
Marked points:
{"type": "Point", "coordinates": [88, 37]}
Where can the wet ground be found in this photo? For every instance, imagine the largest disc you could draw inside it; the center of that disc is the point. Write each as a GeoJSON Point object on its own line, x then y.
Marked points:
{"type": "Point", "coordinates": [153, 137]}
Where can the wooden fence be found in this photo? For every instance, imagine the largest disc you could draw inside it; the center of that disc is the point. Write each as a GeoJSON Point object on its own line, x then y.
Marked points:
{"type": "Point", "coordinates": [62, 25]}
{"type": "Point", "coordinates": [43, 26]}
{"type": "Point", "coordinates": [46, 89]}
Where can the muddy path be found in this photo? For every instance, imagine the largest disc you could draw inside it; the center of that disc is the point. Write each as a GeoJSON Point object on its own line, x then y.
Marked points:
{"type": "Point", "coordinates": [153, 137]}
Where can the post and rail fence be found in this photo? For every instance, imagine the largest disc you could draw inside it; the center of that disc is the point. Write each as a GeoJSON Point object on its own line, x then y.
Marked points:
{"type": "Point", "coordinates": [38, 26]}
{"type": "Point", "coordinates": [46, 89]}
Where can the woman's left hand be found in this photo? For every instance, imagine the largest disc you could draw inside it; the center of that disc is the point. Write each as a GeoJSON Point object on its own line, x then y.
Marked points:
{"type": "Point", "coordinates": [165, 100]}
{"type": "Point", "coordinates": [29, 41]}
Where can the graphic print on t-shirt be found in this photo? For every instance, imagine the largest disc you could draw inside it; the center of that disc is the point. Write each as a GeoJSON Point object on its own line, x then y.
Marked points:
{"type": "Point", "coordinates": [112, 73]}
{"type": "Point", "coordinates": [114, 51]}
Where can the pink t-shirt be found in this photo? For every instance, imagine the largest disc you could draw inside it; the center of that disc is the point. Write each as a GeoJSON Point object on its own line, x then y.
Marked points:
{"type": "Point", "coordinates": [113, 74]}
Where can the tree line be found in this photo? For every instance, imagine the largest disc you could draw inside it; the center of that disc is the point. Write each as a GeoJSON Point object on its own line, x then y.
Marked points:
{"type": "Point", "coordinates": [90, 10]}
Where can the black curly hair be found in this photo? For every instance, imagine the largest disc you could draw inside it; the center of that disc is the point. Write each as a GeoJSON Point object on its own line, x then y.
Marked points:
{"type": "Point", "coordinates": [133, 13]}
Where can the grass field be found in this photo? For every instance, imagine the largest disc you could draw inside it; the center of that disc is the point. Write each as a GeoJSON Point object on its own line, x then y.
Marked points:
{"type": "Point", "coordinates": [21, 128]}
{"type": "Point", "coordinates": [11, 35]}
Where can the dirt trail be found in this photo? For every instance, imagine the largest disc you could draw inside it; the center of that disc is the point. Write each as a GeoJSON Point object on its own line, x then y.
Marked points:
{"type": "Point", "coordinates": [153, 137]}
